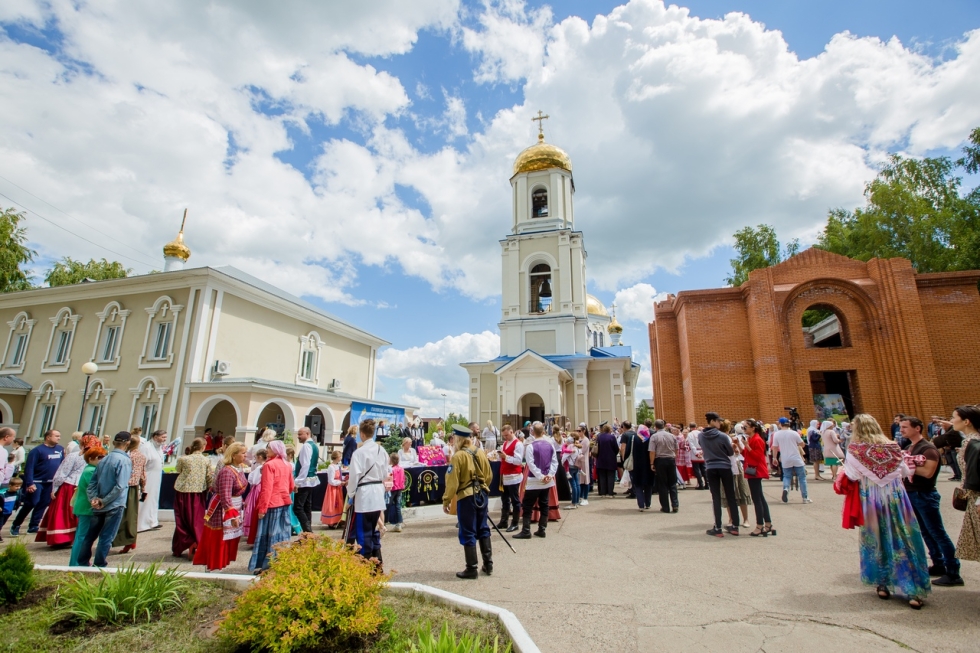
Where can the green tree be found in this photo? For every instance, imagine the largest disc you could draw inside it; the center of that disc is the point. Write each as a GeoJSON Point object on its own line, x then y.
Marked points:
{"type": "Point", "coordinates": [644, 412]}
{"type": "Point", "coordinates": [757, 248]}
{"type": "Point", "coordinates": [13, 252]}
{"type": "Point", "coordinates": [69, 271]}
{"type": "Point", "coordinates": [914, 210]}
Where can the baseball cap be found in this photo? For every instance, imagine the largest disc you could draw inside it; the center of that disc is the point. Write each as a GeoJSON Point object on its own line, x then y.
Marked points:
{"type": "Point", "coordinates": [783, 420]}
{"type": "Point", "coordinates": [122, 436]}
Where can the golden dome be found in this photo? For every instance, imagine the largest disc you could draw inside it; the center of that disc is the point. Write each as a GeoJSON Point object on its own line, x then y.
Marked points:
{"type": "Point", "coordinates": [594, 307]}
{"type": "Point", "coordinates": [615, 326]}
{"type": "Point", "coordinates": [542, 156]}
{"type": "Point", "coordinates": [177, 248]}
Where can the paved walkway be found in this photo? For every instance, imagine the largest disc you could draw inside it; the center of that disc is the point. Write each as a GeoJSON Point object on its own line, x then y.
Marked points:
{"type": "Point", "coordinates": [609, 578]}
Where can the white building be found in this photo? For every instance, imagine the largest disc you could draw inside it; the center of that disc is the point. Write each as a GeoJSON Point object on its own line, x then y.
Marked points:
{"type": "Point", "coordinates": [560, 352]}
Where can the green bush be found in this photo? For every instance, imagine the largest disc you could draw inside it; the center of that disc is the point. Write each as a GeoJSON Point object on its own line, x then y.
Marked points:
{"type": "Point", "coordinates": [447, 642]}
{"type": "Point", "coordinates": [318, 593]}
{"type": "Point", "coordinates": [16, 573]}
{"type": "Point", "coordinates": [132, 595]}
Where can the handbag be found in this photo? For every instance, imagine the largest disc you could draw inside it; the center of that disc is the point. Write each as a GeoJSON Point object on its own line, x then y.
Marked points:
{"type": "Point", "coordinates": [628, 463]}
{"type": "Point", "coordinates": [959, 499]}
{"type": "Point", "coordinates": [750, 471]}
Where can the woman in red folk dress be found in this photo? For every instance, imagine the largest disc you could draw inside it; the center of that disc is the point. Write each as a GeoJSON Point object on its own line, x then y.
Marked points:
{"type": "Point", "coordinates": [223, 518]}
{"type": "Point", "coordinates": [333, 500]}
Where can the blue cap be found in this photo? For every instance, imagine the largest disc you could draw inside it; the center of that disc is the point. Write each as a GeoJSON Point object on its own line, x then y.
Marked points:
{"type": "Point", "coordinates": [783, 420]}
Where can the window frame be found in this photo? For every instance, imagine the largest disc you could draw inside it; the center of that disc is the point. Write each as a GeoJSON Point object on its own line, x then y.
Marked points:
{"type": "Point", "coordinates": [112, 316]}
{"type": "Point", "coordinates": [64, 322]}
{"type": "Point", "coordinates": [146, 393]}
{"type": "Point", "coordinates": [313, 344]}
{"type": "Point", "coordinates": [163, 311]}
{"type": "Point", "coordinates": [21, 325]}
{"type": "Point", "coordinates": [46, 397]}
{"type": "Point", "coordinates": [99, 397]}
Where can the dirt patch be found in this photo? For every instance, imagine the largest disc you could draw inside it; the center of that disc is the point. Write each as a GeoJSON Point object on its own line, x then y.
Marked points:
{"type": "Point", "coordinates": [34, 597]}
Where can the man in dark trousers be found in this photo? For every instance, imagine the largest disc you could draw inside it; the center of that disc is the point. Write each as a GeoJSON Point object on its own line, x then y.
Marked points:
{"type": "Point", "coordinates": [717, 448]}
{"type": "Point", "coordinates": [106, 493]}
{"type": "Point", "coordinates": [925, 500]}
{"type": "Point", "coordinates": [39, 470]}
{"type": "Point", "coordinates": [542, 463]}
{"type": "Point", "coordinates": [663, 461]}
{"type": "Point", "coordinates": [468, 482]}
{"type": "Point", "coordinates": [511, 475]}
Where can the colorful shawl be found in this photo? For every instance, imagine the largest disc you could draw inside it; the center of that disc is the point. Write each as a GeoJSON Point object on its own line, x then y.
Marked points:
{"type": "Point", "coordinates": [880, 463]}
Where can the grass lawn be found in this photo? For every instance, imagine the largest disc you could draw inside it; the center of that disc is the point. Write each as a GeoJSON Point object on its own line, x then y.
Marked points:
{"type": "Point", "coordinates": [36, 627]}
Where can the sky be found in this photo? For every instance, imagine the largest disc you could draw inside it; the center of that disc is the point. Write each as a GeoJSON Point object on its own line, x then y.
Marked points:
{"type": "Point", "coordinates": [358, 154]}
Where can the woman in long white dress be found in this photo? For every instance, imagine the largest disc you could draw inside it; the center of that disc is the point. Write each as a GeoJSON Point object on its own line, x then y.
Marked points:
{"type": "Point", "coordinates": [152, 448]}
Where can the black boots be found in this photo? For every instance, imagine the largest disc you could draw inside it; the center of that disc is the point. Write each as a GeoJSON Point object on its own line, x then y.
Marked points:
{"type": "Point", "coordinates": [504, 515]}
{"type": "Point", "coordinates": [471, 562]}
{"type": "Point", "coordinates": [525, 533]}
{"type": "Point", "coordinates": [513, 523]}
{"type": "Point", "coordinates": [486, 552]}
{"type": "Point", "coordinates": [542, 523]}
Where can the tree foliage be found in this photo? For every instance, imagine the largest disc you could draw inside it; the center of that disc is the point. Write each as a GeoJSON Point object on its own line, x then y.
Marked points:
{"type": "Point", "coordinates": [69, 271]}
{"type": "Point", "coordinates": [14, 252]}
{"type": "Point", "coordinates": [644, 412]}
{"type": "Point", "coordinates": [915, 210]}
{"type": "Point", "coordinates": [757, 248]}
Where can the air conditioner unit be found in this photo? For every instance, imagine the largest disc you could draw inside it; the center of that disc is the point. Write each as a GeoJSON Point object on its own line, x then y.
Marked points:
{"type": "Point", "coordinates": [221, 368]}
{"type": "Point", "coordinates": [335, 384]}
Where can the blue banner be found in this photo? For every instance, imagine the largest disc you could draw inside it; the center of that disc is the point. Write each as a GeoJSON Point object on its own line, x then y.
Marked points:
{"type": "Point", "coordinates": [390, 414]}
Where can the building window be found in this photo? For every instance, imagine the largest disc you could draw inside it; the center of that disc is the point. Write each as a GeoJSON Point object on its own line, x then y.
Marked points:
{"type": "Point", "coordinates": [602, 339]}
{"type": "Point", "coordinates": [47, 419]}
{"type": "Point", "coordinates": [98, 406]}
{"type": "Point", "coordinates": [308, 372]}
{"type": "Point", "coordinates": [539, 203]}
{"type": "Point", "coordinates": [17, 340]}
{"type": "Point", "coordinates": [108, 338]}
{"type": "Point", "coordinates": [541, 291]}
{"type": "Point", "coordinates": [148, 420]}
{"type": "Point", "coordinates": [63, 327]}
{"type": "Point", "coordinates": [147, 404]}
{"type": "Point", "coordinates": [158, 343]}
{"type": "Point", "coordinates": [96, 415]}
{"type": "Point", "coordinates": [45, 412]}
{"type": "Point", "coordinates": [823, 328]}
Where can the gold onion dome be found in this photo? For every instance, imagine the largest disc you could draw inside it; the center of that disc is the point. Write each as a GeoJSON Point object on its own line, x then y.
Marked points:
{"type": "Point", "coordinates": [615, 326]}
{"type": "Point", "coordinates": [177, 248]}
{"type": "Point", "coordinates": [542, 156]}
{"type": "Point", "coordinates": [594, 307]}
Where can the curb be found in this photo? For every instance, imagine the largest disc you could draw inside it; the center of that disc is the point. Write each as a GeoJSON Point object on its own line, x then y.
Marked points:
{"type": "Point", "coordinates": [522, 642]}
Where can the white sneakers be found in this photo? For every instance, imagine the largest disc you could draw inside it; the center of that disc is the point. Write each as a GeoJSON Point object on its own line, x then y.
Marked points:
{"type": "Point", "coordinates": [583, 502]}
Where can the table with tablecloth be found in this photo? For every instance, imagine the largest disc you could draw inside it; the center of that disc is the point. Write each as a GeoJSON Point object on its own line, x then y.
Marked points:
{"type": "Point", "coordinates": [425, 486]}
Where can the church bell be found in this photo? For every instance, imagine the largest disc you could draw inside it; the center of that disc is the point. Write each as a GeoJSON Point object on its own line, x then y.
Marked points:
{"type": "Point", "coordinates": [545, 289]}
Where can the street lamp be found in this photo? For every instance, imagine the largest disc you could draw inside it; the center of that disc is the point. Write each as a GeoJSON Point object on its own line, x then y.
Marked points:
{"type": "Point", "coordinates": [88, 369]}
{"type": "Point", "coordinates": [444, 415]}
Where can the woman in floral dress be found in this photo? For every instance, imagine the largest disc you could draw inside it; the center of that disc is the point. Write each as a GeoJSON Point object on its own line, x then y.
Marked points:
{"type": "Point", "coordinates": [966, 420]}
{"type": "Point", "coordinates": [893, 555]}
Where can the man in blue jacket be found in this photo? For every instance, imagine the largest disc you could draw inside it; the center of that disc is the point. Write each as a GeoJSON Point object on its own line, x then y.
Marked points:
{"type": "Point", "coordinates": [107, 492]}
{"type": "Point", "coordinates": [39, 470]}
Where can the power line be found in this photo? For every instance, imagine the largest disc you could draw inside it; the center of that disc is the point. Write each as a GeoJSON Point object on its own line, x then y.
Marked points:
{"type": "Point", "coordinates": [65, 213]}
{"type": "Point", "coordinates": [76, 235]}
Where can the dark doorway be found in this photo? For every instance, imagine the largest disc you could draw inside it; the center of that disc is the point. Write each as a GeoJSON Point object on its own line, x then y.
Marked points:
{"type": "Point", "coordinates": [836, 383]}
{"type": "Point", "coordinates": [537, 413]}
{"type": "Point", "coordinates": [315, 422]}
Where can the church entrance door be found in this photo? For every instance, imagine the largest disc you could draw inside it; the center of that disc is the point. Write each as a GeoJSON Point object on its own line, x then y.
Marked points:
{"type": "Point", "coordinates": [830, 390]}
{"type": "Point", "coordinates": [532, 407]}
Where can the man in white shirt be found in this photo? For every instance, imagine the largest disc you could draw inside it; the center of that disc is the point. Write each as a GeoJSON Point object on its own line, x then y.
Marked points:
{"type": "Point", "coordinates": [789, 445]}
{"type": "Point", "coordinates": [542, 463]}
{"type": "Point", "coordinates": [307, 460]}
{"type": "Point", "coordinates": [511, 475]}
{"type": "Point", "coordinates": [369, 467]}
{"type": "Point", "coordinates": [697, 457]}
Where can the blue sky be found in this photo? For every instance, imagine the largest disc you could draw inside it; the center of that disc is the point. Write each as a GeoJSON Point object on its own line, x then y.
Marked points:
{"type": "Point", "coordinates": [359, 156]}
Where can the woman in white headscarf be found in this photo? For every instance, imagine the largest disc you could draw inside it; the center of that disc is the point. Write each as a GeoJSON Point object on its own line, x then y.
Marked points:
{"type": "Point", "coordinates": [152, 449]}
{"type": "Point", "coordinates": [832, 453]}
{"type": "Point", "coordinates": [814, 446]}
{"type": "Point", "coordinates": [264, 438]}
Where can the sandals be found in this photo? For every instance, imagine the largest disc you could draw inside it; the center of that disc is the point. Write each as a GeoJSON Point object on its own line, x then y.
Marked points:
{"type": "Point", "coordinates": [883, 593]}
{"type": "Point", "coordinates": [770, 530]}
{"type": "Point", "coordinates": [916, 604]}
{"type": "Point", "coordinates": [758, 532]}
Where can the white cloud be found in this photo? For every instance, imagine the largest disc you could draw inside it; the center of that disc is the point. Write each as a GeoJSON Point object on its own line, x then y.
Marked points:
{"type": "Point", "coordinates": [636, 303]}
{"type": "Point", "coordinates": [681, 131]}
{"type": "Point", "coordinates": [433, 369]}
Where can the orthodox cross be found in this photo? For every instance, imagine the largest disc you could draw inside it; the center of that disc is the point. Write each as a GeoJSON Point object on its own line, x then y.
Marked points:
{"type": "Point", "coordinates": [541, 117]}
{"type": "Point", "coordinates": [183, 222]}
{"type": "Point", "coordinates": [599, 410]}
{"type": "Point", "coordinates": [489, 410]}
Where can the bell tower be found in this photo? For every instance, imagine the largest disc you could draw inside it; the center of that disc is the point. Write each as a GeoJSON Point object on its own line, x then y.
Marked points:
{"type": "Point", "coordinates": [544, 298]}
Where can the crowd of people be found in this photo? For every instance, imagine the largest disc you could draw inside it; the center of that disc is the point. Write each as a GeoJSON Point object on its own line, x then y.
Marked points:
{"type": "Point", "coordinates": [100, 494]}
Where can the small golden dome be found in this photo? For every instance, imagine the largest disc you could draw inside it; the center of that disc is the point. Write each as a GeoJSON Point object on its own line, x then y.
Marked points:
{"type": "Point", "coordinates": [177, 248]}
{"type": "Point", "coordinates": [542, 156]}
{"type": "Point", "coordinates": [615, 326]}
{"type": "Point", "coordinates": [594, 307]}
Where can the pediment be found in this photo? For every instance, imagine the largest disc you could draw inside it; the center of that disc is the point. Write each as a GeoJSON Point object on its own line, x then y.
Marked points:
{"type": "Point", "coordinates": [812, 263]}
{"type": "Point", "coordinates": [528, 360]}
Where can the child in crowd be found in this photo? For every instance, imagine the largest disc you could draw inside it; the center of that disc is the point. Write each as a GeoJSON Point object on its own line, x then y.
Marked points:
{"type": "Point", "coordinates": [251, 518]}
{"type": "Point", "coordinates": [12, 499]}
{"type": "Point", "coordinates": [333, 500]}
{"type": "Point", "coordinates": [394, 509]}
{"type": "Point", "coordinates": [7, 471]}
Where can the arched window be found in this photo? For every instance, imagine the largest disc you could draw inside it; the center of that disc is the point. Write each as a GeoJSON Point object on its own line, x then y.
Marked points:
{"type": "Point", "coordinates": [17, 340]}
{"type": "Point", "coordinates": [541, 294]}
{"type": "Point", "coordinates": [62, 338]}
{"type": "Point", "coordinates": [147, 404]}
{"type": "Point", "coordinates": [158, 343]}
{"type": "Point", "coordinates": [308, 372]}
{"type": "Point", "coordinates": [823, 327]}
{"type": "Point", "coordinates": [539, 203]}
{"type": "Point", "coordinates": [108, 336]}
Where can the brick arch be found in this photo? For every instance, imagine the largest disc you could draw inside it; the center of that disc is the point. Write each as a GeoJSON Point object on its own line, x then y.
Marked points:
{"type": "Point", "coordinates": [859, 319]}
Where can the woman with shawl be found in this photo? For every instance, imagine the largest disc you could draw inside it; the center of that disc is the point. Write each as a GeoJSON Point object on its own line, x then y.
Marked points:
{"type": "Point", "coordinates": [223, 517]}
{"type": "Point", "coordinates": [893, 555]}
{"type": "Point", "coordinates": [251, 524]}
{"type": "Point", "coordinates": [60, 523]}
{"type": "Point", "coordinates": [273, 507]}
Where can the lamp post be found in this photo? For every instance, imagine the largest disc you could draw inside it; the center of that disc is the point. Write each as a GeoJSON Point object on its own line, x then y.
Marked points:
{"type": "Point", "coordinates": [444, 415]}
{"type": "Point", "coordinates": [88, 369]}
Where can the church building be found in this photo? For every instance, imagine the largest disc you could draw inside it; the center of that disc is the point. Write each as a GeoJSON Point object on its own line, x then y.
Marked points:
{"type": "Point", "coordinates": [560, 350]}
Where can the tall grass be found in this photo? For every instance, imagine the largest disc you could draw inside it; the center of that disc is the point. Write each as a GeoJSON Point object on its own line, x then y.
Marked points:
{"type": "Point", "coordinates": [447, 642]}
{"type": "Point", "coordinates": [131, 595]}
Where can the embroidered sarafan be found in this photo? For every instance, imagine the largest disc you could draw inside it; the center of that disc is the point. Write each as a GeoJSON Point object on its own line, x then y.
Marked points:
{"type": "Point", "coordinates": [879, 459]}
